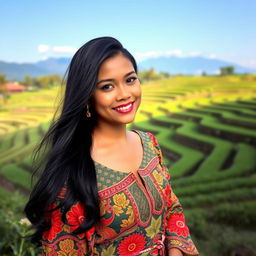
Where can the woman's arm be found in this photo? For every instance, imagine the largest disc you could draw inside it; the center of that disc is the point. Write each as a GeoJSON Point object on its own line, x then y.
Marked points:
{"type": "Point", "coordinates": [178, 240]}
{"type": "Point", "coordinates": [175, 252]}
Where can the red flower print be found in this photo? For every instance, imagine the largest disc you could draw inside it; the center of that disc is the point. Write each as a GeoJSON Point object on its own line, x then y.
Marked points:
{"type": "Point", "coordinates": [176, 224]}
{"type": "Point", "coordinates": [165, 170]}
{"type": "Point", "coordinates": [89, 233]}
{"type": "Point", "coordinates": [132, 245]}
{"type": "Point", "coordinates": [56, 224]}
{"type": "Point", "coordinates": [167, 194]}
{"type": "Point", "coordinates": [104, 232]}
{"type": "Point", "coordinates": [75, 217]}
{"type": "Point", "coordinates": [154, 252]}
{"type": "Point", "coordinates": [153, 138]}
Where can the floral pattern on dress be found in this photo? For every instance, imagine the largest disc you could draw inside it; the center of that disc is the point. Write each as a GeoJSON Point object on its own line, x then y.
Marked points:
{"type": "Point", "coordinates": [176, 224]}
{"type": "Point", "coordinates": [67, 248]}
{"type": "Point", "coordinates": [139, 215]}
{"type": "Point", "coordinates": [131, 245]}
{"type": "Point", "coordinates": [75, 217]}
{"type": "Point", "coordinates": [56, 224]}
{"type": "Point", "coordinates": [176, 231]}
{"type": "Point", "coordinates": [59, 240]}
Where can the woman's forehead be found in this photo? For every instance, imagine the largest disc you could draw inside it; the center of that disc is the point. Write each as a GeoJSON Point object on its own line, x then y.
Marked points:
{"type": "Point", "coordinates": [114, 64]}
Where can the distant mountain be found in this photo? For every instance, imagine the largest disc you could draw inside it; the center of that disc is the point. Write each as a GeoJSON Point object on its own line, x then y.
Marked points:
{"type": "Point", "coordinates": [190, 65]}
{"type": "Point", "coordinates": [20, 70]}
{"type": "Point", "coordinates": [54, 65]}
{"type": "Point", "coordinates": [173, 65]}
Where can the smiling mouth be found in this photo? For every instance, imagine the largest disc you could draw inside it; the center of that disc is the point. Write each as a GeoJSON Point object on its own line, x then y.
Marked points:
{"type": "Point", "coordinates": [125, 109]}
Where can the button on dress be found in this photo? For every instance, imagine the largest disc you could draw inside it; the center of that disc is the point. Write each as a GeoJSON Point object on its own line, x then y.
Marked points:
{"type": "Point", "coordinates": [140, 214]}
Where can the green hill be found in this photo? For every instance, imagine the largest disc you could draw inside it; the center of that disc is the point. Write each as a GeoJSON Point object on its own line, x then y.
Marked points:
{"type": "Point", "coordinates": [206, 129]}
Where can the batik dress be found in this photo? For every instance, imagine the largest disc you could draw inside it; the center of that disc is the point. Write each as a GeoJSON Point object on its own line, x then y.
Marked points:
{"type": "Point", "coordinates": [140, 215]}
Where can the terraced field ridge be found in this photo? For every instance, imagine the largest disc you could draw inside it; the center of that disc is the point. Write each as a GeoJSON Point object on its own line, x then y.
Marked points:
{"type": "Point", "coordinates": [206, 127]}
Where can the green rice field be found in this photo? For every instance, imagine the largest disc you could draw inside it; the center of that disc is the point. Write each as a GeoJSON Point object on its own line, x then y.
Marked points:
{"type": "Point", "coordinates": [206, 127]}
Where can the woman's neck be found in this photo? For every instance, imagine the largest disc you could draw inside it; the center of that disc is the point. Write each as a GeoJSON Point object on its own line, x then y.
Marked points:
{"type": "Point", "coordinates": [105, 135]}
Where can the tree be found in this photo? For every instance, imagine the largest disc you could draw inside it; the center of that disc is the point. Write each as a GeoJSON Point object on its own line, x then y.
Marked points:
{"type": "Point", "coordinates": [28, 81]}
{"type": "Point", "coordinates": [44, 81]}
{"type": "Point", "coordinates": [227, 70]}
{"type": "Point", "coordinates": [55, 80]}
{"type": "Point", "coordinates": [3, 92]}
{"type": "Point", "coordinates": [47, 81]}
{"type": "Point", "coordinates": [3, 79]}
{"type": "Point", "coordinates": [165, 74]}
{"type": "Point", "coordinates": [151, 74]}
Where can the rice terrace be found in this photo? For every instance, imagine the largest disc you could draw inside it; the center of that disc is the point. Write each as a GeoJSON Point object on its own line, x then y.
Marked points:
{"type": "Point", "coordinates": [206, 127]}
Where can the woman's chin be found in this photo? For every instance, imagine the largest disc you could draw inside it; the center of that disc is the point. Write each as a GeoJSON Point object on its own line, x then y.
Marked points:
{"type": "Point", "coordinates": [125, 120]}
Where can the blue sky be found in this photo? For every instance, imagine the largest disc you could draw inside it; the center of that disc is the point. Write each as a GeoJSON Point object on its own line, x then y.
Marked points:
{"type": "Point", "coordinates": [222, 29]}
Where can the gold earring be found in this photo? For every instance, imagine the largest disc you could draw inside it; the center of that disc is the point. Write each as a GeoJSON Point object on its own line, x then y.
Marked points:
{"type": "Point", "coordinates": [88, 114]}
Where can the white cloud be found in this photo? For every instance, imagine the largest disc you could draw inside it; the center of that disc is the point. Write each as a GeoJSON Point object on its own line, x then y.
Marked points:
{"type": "Point", "coordinates": [216, 72]}
{"type": "Point", "coordinates": [252, 63]}
{"type": "Point", "coordinates": [155, 54]}
{"type": "Point", "coordinates": [140, 56]}
{"type": "Point", "coordinates": [212, 56]}
{"type": "Point", "coordinates": [175, 52]}
{"type": "Point", "coordinates": [198, 72]}
{"type": "Point", "coordinates": [194, 54]}
{"type": "Point", "coordinates": [44, 58]}
{"type": "Point", "coordinates": [246, 63]}
{"type": "Point", "coordinates": [43, 48]}
{"type": "Point", "coordinates": [64, 49]}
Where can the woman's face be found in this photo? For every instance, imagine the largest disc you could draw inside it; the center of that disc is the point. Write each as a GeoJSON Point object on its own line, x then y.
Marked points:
{"type": "Point", "coordinates": [117, 95]}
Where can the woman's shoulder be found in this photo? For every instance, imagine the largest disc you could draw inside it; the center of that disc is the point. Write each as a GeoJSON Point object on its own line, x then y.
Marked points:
{"type": "Point", "coordinates": [144, 133]}
{"type": "Point", "coordinates": [147, 136]}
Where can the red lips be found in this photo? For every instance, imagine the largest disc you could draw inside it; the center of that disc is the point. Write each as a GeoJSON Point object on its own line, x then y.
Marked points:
{"type": "Point", "coordinates": [124, 105]}
{"type": "Point", "coordinates": [125, 111]}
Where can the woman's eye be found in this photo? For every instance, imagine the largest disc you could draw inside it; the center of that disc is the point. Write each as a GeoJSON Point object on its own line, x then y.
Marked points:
{"type": "Point", "coordinates": [131, 79]}
{"type": "Point", "coordinates": [106, 87]}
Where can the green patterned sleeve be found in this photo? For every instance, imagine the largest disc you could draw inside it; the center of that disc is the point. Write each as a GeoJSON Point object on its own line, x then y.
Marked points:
{"type": "Point", "coordinates": [177, 232]}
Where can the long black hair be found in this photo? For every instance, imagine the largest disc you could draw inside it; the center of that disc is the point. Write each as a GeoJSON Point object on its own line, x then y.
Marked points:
{"type": "Point", "coordinates": [66, 160]}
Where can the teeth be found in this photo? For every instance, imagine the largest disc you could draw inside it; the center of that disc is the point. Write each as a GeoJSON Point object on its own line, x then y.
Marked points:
{"type": "Point", "coordinates": [124, 108]}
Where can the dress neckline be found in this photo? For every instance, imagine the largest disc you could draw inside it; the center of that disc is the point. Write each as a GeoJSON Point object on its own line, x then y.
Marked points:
{"type": "Point", "coordinates": [130, 172]}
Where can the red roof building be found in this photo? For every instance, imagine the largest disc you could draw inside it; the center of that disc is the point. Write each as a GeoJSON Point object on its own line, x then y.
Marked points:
{"type": "Point", "coordinates": [13, 87]}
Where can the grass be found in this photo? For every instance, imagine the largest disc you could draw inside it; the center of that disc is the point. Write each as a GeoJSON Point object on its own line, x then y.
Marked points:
{"type": "Point", "coordinates": [16, 175]}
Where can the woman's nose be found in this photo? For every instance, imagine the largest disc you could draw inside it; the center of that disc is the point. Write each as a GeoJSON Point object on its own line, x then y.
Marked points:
{"type": "Point", "coordinates": [123, 92]}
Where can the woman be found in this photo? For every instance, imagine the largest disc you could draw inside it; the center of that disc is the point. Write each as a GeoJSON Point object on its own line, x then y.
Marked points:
{"type": "Point", "coordinates": [104, 190]}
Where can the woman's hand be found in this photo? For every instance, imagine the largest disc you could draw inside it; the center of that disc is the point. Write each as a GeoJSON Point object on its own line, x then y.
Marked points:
{"type": "Point", "coordinates": [175, 252]}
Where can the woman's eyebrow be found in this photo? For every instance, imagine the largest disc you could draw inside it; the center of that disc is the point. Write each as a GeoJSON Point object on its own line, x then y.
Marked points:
{"type": "Point", "coordinates": [110, 80]}
{"type": "Point", "coordinates": [129, 73]}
